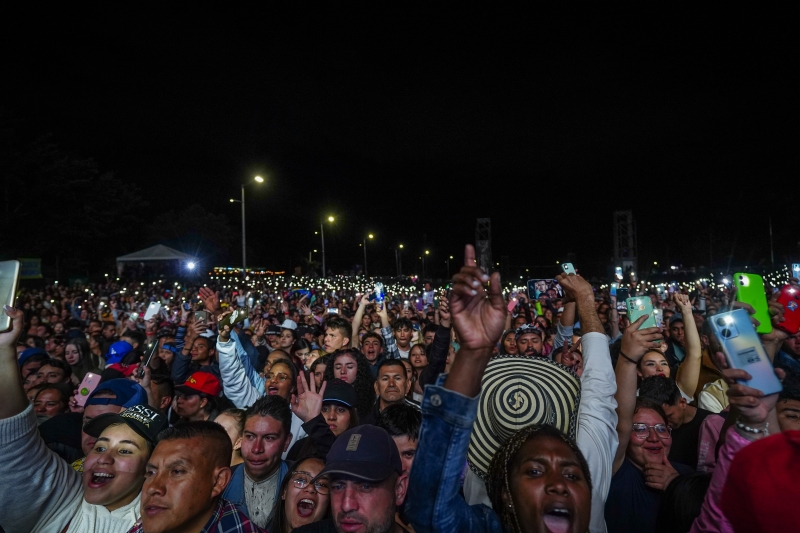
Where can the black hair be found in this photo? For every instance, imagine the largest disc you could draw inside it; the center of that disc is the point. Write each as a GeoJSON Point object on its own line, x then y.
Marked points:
{"type": "Point", "coordinates": [300, 344]}
{"type": "Point", "coordinates": [661, 389]}
{"type": "Point", "coordinates": [318, 361]}
{"type": "Point", "coordinates": [166, 387]}
{"type": "Point", "coordinates": [392, 362]}
{"type": "Point", "coordinates": [430, 328]}
{"type": "Point", "coordinates": [275, 406]}
{"type": "Point", "coordinates": [135, 335]}
{"type": "Point", "coordinates": [37, 358]}
{"type": "Point", "coordinates": [402, 322]}
{"type": "Point", "coordinates": [498, 480]}
{"type": "Point", "coordinates": [219, 447]}
{"type": "Point", "coordinates": [279, 516]}
{"type": "Point", "coordinates": [681, 502]}
{"type": "Point", "coordinates": [341, 324]}
{"type": "Point", "coordinates": [38, 342]}
{"type": "Point", "coordinates": [74, 323]}
{"type": "Point", "coordinates": [64, 390]}
{"type": "Point", "coordinates": [58, 363]}
{"type": "Point", "coordinates": [400, 420]}
{"type": "Point", "coordinates": [365, 390]}
{"type": "Point", "coordinates": [292, 369]}
{"type": "Point", "coordinates": [649, 403]}
{"type": "Point", "coordinates": [372, 335]}
{"type": "Point", "coordinates": [791, 385]}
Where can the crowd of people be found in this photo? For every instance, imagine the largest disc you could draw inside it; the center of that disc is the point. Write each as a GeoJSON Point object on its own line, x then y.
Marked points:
{"type": "Point", "coordinates": [285, 406]}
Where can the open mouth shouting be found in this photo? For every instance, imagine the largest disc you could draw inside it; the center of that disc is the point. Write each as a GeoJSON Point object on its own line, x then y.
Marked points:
{"type": "Point", "coordinates": [557, 518]}
{"type": "Point", "coordinates": [305, 507]}
{"type": "Point", "coordinates": [99, 479]}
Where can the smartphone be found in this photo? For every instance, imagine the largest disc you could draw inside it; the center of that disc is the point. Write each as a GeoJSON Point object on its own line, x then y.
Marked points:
{"type": "Point", "coordinates": [750, 290]}
{"type": "Point", "coordinates": [568, 268]}
{"type": "Point", "coordinates": [622, 296]}
{"type": "Point", "coordinates": [88, 385]}
{"type": "Point", "coordinates": [151, 353]}
{"type": "Point", "coordinates": [790, 300]}
{"type": "Point", "coordinates": [549, 288]}
{"type": "Point", "coordinates": [613, 290]}
{"type": "Point", "coordinates": [186, 306]}
{"type": "Point", "coordinates": [9, 280]}
{"type": "Point", "coordinates": [201, 316]}
{"type": "Point", "coordinates": [658, 314]}
{"type": "Point", "coordinates": [618, 272]}
{"type": "Point", "coordinates": [795, 272]}
{"type": "Point", "coordinates": [333, 310]}
{"type": "Point", "coordinates": [152, 310]}
{"type": "Point", "coordinates": [638, 306]}
{"type": "Point", "coordinates": [743, 350]}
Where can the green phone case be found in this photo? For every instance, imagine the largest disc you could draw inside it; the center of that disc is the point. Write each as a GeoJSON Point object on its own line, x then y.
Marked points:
{"type": "Point", "coordinates": [750, 290]}
{"type": "Point", "coordinates": [638, 306]}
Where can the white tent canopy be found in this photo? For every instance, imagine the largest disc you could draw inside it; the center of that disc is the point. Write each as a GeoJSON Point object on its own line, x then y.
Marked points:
{"type": "Point", "coordinates": [159, 252]}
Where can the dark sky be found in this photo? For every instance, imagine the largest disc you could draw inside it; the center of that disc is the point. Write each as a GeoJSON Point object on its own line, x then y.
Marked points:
{"type": "Point", "coordinates": [411, 128]}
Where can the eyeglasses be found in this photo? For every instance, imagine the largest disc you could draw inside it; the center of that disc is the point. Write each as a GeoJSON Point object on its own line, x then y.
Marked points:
{"type": "Point", "coordinates": [301, 481]}
{"type": "Point", "coordinates": [641, 431]}
{"type": "Point", "coordinates": [280, 377]}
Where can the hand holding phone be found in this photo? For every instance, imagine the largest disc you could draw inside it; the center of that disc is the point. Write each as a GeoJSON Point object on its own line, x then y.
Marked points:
{"type": "Point", "coordinates": [9, 280]}
{"type": "Point", "coordinates": [87, 386]}
{"type": "Point", "coordinates": [568, 268]}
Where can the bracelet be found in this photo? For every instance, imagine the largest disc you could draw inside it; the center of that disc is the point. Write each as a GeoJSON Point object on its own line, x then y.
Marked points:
{"type": "Point", "coordinates": [628, 358]}
{"type": "Point", "coordinates": [748, 429]}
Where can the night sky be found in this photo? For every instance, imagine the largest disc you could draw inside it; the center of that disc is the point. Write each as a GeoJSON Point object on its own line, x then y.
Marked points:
{"type": "Point", "coordinates": [411, 128]}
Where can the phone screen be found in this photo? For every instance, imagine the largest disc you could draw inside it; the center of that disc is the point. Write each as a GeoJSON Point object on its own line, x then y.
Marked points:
{"type": "Point", "coordinates": [622, 295]}
{"type": "Point", "coordinates": [9, 279]}
{"type": "Point", "coordinates": [201, 316]}
{"type": "Point", "coordinates": [547, 288]}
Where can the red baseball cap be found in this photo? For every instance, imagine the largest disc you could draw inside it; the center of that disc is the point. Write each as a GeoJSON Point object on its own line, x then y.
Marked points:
{"type": "Point", "coordinates": [204, 382]}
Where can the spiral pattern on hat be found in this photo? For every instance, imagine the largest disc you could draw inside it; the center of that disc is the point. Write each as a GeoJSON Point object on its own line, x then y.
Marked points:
{"type": "Point", "coordinates": [518, 391]}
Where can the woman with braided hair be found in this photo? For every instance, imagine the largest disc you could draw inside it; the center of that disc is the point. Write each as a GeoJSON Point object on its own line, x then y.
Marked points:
{"type": "Point", "coordinates": [536, 477]}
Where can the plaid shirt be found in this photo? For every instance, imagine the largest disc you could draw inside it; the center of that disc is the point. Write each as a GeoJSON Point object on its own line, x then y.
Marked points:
{"type": "Point", "coordinates": [226, 519]}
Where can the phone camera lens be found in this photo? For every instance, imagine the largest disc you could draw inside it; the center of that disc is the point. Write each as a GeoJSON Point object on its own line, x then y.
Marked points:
{"type": "Point", "coordinates": [721, 322]}
{"type": "Point", "coordinates": [725, 333]}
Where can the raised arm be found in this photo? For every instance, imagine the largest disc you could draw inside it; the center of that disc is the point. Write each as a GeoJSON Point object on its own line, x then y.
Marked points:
{"type": "Point", "coordinates": [689, 371]}
{"type": "Point", "coordinates": [237, 385]}
{"type": "Point", "coordinates": [448, 412]}
{"type": "Point", "coordinates": [362, 306]}
{"type": "Point", "coordinates": [14, 399]}
{"type": "Point", "coordinates": [635, 343]}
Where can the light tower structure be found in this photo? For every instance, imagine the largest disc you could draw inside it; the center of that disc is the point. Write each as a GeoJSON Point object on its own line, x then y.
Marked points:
{"type": "Point", "coordinates": [625, 243]}
{"type": "Point", "coordinates": [483, 244]}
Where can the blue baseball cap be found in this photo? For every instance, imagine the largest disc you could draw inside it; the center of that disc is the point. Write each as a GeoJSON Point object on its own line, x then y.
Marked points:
{"type": "Point", "coordinates": [129, 393]}
{"type": "Point", "coordinates": [29, 352]}
{"type": "Point", "coordinates": [117, 351]}
{"type": "Point", "coordinates": [366, 452]}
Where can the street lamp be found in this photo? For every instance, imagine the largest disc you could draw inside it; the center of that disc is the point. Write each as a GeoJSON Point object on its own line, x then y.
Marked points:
{"type": "Point", "coordinates": [398, 259]}
{"type": "Point", "coordinates": [322, 235]}
{"type": "Point", "coordinates": [448, 265]}
{"type": "Point", "coordinates": [423, 263]}
{"type": "Point", "coordinates": [370, 236]}
{"type": "Point", "coordinates": [257, 179]}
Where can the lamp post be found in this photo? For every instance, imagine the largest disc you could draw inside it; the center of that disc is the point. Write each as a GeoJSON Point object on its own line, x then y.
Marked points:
{"type": "Point", "coordinates": [423, 263]}
{"type": "Point", "coordinates": [399, 260]}
{"type": "Point", "coordinates": [257, 179]}
{"type": "Point", "coordinates": [322, 235]}
{"type": "Point", "coordinates": [448, 265]}
{"type": "Point", "coordinates": [370, 236]}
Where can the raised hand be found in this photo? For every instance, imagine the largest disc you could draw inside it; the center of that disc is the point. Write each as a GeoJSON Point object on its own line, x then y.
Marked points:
{"type": "Point", "coordinates": [637, 342]}
{"type": "Point", "coordinates": [658, 472]}
{"type": "Point", "coordinates": [682, 301]}
{"type": "Point", "coordinates": [307, 403]}
{"type": "Point", "coordinates": [210, 300]}
{"type": "Point", "coordinates": [444, 312]}
{"type": "Point", "coordinates": [753, 406]}
{"type": "Point", "coordinates": [478, 314]}
{"type": "Point", "coordinates": [224, 332]}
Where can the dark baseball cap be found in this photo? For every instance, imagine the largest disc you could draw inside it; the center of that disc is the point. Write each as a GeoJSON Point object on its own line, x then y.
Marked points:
{"type": "Point", "coordinates": [341, 392]}
{"type": "Point", "coordinates": [143, 419]}
{"type": "Point", "coordinates": [273, 330]}
{"type": "Point", "coordinates": [677, 317]}
{"type": "Point", "coordinates": [365, 452]}
{"type": "Point", "coordinates": [129, 393]}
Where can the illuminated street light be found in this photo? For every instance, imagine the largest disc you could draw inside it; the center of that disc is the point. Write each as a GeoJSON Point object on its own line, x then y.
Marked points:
{"type": "Point", "coordinates": [370, 236]}
{"type": "Point", "coordinates": [322, 236]}
{"type": "Point", "coordinates": [257, 179]}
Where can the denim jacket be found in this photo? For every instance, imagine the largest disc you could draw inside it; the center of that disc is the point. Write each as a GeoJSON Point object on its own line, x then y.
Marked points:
{"type": "Point", "coordinates": [434, 502]}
